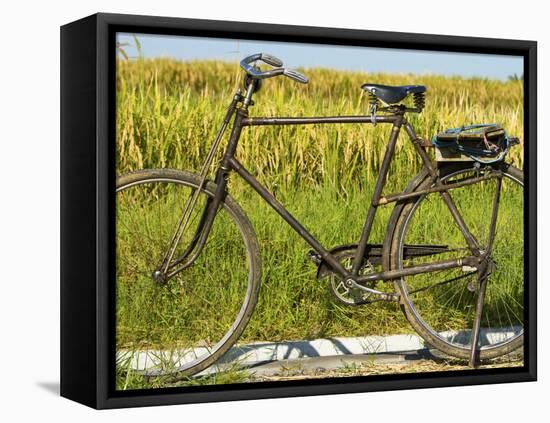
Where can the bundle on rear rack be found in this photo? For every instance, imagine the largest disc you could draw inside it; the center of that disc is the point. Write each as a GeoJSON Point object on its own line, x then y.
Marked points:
{"type": "Point", "coordinates": [486, 143]}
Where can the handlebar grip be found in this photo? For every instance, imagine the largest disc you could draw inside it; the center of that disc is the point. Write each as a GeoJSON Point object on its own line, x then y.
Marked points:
{"type": "Point", "coordinates": [295, 75]}
{"type": "Point", "coordinates": [271, 60]}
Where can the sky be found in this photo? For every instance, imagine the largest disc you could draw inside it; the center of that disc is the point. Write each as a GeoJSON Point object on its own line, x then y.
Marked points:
{"type": "Point", "coordinates": [367, 59]}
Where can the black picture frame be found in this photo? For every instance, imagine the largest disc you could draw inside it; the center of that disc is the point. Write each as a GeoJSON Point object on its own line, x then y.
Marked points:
{"type": "Point", "coordinates": [87, 208]}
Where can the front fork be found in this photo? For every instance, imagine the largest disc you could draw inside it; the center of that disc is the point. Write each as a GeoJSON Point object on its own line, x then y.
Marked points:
{"type": "Point", "coordinates": [171, 266]}
{"type": "Point", "coordinates": [195, 247]}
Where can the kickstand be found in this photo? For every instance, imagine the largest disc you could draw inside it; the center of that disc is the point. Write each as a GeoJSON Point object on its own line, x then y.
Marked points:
{"type": "Point", "coordinates": [474, 351]}
{"type": "Point", "coordinates": [483, 276]}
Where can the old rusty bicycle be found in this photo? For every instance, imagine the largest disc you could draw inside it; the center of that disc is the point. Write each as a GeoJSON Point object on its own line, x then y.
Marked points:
{"type": "Point", "coordinates": [457, 277]}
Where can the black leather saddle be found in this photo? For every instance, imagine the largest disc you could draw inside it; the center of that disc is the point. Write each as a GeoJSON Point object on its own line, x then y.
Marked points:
{"type": "Point", "coordinates": [392, 95]}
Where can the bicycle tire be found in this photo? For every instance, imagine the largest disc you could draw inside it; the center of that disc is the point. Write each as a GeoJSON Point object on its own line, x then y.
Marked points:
{"type": "Point", "coordinates": [398, 226]}
{"type": "Point", "coordinates": [242, 223]}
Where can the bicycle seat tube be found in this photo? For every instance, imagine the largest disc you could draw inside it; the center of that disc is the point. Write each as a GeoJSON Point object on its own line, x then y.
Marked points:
{"type": "Point", "coordinates": [380, 182]}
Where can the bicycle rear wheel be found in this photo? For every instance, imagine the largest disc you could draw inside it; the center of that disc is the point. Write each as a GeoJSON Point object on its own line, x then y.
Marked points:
{"type": "Point", "coordinates": [184, 325]}
{"type": "Point", "coordinates": [441, 305]}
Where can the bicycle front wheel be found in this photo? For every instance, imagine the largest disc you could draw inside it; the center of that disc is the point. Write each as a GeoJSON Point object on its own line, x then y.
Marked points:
{"type": "Point", "coordinates": [441, 305]}
{"type": "Point", "coordinates": [184, 325]}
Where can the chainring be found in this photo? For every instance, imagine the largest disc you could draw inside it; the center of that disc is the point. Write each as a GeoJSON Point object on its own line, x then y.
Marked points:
{"type": "Point", "coordinates": [345, 295]}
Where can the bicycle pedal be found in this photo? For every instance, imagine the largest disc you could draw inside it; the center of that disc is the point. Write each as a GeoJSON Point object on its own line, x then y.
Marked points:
{"type": "Point", "coordinates": [315, 257]}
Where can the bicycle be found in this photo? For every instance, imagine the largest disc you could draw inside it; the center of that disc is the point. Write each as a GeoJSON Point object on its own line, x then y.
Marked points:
{"type": "Point", "coordinates": [198, 245]}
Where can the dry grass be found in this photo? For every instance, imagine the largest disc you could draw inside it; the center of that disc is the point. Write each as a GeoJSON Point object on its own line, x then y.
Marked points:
{"type": "Point", "coordinates": [372, 368]}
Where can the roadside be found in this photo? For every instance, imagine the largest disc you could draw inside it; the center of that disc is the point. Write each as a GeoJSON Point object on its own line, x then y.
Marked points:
{"type": "Point", "coordinates": [317, 368]}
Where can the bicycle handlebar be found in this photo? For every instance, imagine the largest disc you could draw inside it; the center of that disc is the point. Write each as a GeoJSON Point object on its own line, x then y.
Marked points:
{"type": "Point", "coordinates": [276, 71]}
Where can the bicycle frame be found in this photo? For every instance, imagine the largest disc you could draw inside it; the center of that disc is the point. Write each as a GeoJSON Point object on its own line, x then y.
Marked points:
{"type": "Point", "coordinates": [352, 278]}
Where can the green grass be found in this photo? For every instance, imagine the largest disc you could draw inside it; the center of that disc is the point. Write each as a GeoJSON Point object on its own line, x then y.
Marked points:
{"type": "Point", "coordinates": [167, 115]}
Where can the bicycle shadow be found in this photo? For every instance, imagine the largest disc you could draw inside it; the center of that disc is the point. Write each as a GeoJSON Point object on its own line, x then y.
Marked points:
{"type": "Point", "coordinates": [275, 351]}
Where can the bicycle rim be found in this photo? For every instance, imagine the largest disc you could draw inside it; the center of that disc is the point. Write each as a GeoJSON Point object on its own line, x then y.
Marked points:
{"type": "Point", "coordinates": [183, 326]}
{"type": "Point", "coordinates": [441, 305]}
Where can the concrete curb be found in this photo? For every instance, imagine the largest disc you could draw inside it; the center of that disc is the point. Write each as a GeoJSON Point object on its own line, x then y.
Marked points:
{"type": "Point", "coordinates": [262, 352]}
{"type": "Point", "coordinates": [253, 354]}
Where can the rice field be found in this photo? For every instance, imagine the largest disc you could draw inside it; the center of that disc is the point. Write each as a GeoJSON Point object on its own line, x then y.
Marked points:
{"type": "Point", "coordinates": [168, 113]}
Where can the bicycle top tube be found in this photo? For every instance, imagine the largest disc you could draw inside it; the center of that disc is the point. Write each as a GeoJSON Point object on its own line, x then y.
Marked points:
{"type": "Point", "coordinates": [299, 120]}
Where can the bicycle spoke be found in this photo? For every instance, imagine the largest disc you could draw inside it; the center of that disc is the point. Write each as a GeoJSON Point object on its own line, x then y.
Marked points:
{"type": "Point", "coordinates": [178, 314]}
{"type": "Point", "coordinates": [445, 302]}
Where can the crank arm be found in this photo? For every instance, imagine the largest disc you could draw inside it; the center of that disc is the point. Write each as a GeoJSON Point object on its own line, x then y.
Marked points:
{"type": "Point", "coordinates": [382, 296]}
